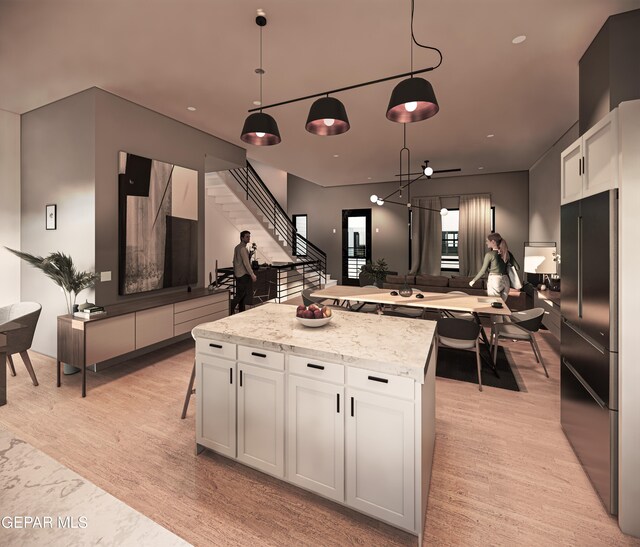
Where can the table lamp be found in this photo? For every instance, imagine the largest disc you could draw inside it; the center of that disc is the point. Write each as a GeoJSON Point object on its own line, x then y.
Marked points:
{"type": "Point", "coordinates": [541, 258]}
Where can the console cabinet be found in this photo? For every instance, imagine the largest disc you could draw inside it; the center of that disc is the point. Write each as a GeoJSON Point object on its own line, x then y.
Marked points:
{"type": "Point", "coordinates": [139, 325]}
{"type": "Point", "coordinates": [550, 302]}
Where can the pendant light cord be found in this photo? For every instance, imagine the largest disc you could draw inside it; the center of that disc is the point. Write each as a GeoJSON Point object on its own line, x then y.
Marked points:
{"type": "Point", "coordinates": [413, 39]}
{"type": "Point", "coordinates": [261, 71]}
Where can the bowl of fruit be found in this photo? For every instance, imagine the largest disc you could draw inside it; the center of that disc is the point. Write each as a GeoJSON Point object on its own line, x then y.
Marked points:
{"type": "Point", "coordinates": [313, 315]}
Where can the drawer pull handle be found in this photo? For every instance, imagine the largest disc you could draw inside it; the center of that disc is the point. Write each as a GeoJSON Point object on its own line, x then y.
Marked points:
{"type": "Point", "coordinates": [352, 407]}
{"type": "Point", "coordinates": [231, 376]}
{"type": "Point", "coordinates": [311, 365]}
{"type": "Point", "coordinates": [263, 355]}
{"type": "Point", "coordinates": [338, 396]}
{"type": "Point", "coordinates": [241, 378]}
{"type": "Point", "coordinates": [376, 379]}
{"type": "Point", "coordinates": [217, 346]}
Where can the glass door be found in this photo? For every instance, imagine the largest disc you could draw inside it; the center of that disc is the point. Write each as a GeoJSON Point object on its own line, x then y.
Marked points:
{"type": "Point", "coordinates": [356, 243]}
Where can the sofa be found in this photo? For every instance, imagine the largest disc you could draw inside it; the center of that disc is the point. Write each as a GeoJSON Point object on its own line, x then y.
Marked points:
{"type": "Point", "coordinates": [440, 283]}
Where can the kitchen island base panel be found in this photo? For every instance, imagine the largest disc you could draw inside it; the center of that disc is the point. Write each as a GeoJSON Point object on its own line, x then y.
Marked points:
{"type": "Point", "coordinates": [363, 439]}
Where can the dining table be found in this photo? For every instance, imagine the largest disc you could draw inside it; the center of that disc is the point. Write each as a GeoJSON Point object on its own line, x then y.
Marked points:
{"type": "Point", "coordinates": [347, 296]}
{"type": "Point", "coordinates": [5, 329]}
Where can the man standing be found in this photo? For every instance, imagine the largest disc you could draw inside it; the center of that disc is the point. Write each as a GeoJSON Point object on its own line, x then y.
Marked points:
{"type": "Point", "coordinates": [243, 273]}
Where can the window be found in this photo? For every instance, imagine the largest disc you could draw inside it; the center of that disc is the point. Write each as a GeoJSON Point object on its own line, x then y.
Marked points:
{"type": "Point", "coordinates": [300, 242]}
{"type": "Point", "coordinates": [450, 226]}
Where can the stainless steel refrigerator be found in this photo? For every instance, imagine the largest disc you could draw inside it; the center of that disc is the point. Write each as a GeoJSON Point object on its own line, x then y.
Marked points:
{"type": "Point", "coordinates": [589, 338]}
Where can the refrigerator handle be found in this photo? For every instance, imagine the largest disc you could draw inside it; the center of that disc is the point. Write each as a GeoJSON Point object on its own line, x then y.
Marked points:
{"type": "Point", "coordinates": [580, 266]}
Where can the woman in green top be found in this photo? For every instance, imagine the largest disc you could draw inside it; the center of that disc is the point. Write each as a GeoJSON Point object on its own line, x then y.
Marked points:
{"type": "Point", "coordinates": [497, 259]}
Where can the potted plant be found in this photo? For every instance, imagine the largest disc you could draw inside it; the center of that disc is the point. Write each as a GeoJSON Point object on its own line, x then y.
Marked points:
{"type": "Point", "coordinates": [374, 273]}
{"type": "Point", "coordinates": [59, 267]}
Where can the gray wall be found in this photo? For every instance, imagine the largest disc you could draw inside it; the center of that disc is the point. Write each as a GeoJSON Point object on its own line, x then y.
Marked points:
{"type": "Point", "coordinates": [509, 193]}
{"type": "Point", "coordinates": [609, 69]}
{"type": "Point", "coordinates": [57, 167]}
{"type": "Point", "coordinates": [9, 206]}
{"type": "Point", "coordinates": [70, 157]}
{"type": "Point", "coordinates": [126, 126]}
{"type": "Point", "coordinates": [544, 191]}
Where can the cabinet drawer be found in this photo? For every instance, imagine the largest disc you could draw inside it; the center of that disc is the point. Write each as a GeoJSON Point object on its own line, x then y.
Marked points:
{"type": "Point", "coordinates": [187, 326]}
{"type": "Point", "coordinates": [154, 325]}
{"type": "Point", "coordinates": [394, 386]}
{"type": "Point", "coordinates": [226, 350]}
{"type": "Point", "coordinates": [200, 302]}
{"type": "Point", "coordinates": [261, 357]}
{"type": "Point", "coordinates": [110, 338]}
{"type": "Point", "coordinates": [313, 368]}
{"type": "Point", "coordinates": [203, 311]}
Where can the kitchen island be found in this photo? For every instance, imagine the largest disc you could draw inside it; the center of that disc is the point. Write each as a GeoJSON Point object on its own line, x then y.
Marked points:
{"type": "Point", "coordinates": [346, 410]}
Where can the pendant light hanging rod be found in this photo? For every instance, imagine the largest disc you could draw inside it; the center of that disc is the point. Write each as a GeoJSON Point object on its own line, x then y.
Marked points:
{"type": "Point", "coordinates": [402, 187]}
{"type": "Point", "coordinates": [414, 206]}
{"type": "Point", "coordinates": [340, 89]}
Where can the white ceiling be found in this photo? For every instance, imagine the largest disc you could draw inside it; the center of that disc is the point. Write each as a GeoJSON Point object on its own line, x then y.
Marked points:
{"type": "Point", "coordinates": [167, 55]}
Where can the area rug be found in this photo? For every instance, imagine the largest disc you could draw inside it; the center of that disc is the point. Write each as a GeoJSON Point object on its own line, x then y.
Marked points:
{"type": "Point", "coordinates": [460, 364]}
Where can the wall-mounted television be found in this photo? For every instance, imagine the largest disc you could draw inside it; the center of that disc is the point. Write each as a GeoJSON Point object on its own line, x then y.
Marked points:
{"type": "Point", "coordinates": [158, 223]}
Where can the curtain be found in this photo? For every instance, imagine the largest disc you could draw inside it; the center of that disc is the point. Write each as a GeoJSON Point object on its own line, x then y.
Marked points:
{"type": "Point", "coordinates": [475, 225]}
{"type": "Point", "coordinates": [426, 237]}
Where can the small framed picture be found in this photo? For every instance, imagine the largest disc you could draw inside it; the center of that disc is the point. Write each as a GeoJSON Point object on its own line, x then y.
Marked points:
{"type": "Point", "coordinates": [51, 216]}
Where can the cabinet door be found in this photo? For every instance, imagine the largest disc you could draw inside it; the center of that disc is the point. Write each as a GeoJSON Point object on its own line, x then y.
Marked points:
{"type": "Point", "coordinates": [571, 174]}
{"type": "Point", "coordinates": [600, 156]}
{"type": "Point", "coordinates": [261, 418]}
{"type": "Point", "coordinates": [315, 441]}
{"type": "Point", "coordinates": [380, 457]}
{"type": "Point", "coordinates": [216, 404]}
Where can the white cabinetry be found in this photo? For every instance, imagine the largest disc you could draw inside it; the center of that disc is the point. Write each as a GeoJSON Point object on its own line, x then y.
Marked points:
{"type": "Point", "coordinates": [216, 404]}
{"type": "Point", "coordinates": [590, 164]}
{"type": "Point", "coordinates": [359, 437]}
{"type": "Point", "coordinates": [315, 427]}
{"type": "Point", "coordinates": [380, 455]}
{"type": "Point", "coordinates": [261, 418]}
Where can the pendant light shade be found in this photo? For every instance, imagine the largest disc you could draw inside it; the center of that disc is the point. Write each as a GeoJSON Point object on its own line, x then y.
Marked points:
{"type": "Point", "coordinates": [327, 116]}
{"type": "Point", "coordinates": [412, 100]}
{"type": "Point", "coordinates": [260, 129]}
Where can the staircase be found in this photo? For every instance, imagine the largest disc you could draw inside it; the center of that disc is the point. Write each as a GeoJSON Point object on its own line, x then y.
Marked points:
{"type": "Point", "coordinates": [247, 203]}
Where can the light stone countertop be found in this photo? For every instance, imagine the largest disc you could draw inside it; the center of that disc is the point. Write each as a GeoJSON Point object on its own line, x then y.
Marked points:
{"type": "Point", "coordinates": [70, 510]}
{"type": "Point", "coordinates": [393, 345]}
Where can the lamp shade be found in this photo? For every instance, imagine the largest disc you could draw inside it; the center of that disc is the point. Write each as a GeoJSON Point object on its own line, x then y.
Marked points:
{"type": "Point", "coordinates": [412, 100]}
{"type": "Point", "coordinates": [327, 116]}
{"type": "Point", "coordinates": [260, 129]}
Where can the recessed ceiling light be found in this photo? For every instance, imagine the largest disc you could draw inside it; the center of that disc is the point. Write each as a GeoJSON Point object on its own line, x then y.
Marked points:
{"type": "Point", "coordinates": [336, 155]}
{"type": "Point", "coordinates": [490, 136]}
{"type": "Point", "coordinates": [519, 39]}
{"type": "Point", "coordinates": [191, 108]}
{"type": "Point", "coordinates": [368, 178]}
{"type": "Point", "coordinates": [480, 168]}
{"type": "Point", "coordinates": [257, 103]}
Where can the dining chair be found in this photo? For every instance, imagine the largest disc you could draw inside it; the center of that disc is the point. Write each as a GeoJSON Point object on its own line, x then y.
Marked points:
{"type": "Point", "coordinates": [407, 311]}
{"type": "Point", "coordinates": [363, 307]}
{"type": "Point", "coordinates": [521, 326]}
{"type": "Point", "coordinates": [459, 334]}
{"type": "Point", "coordinates": [19, 341]}
{"type": "Point", "coordinates": [458, 314]}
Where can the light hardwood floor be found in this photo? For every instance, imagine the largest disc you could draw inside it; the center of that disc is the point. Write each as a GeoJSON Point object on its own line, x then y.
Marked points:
{"type": "Point", "coordinates": [504, 474]}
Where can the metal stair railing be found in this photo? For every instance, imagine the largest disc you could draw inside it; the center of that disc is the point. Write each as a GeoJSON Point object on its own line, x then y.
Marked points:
{"type": "Point", "coordinates": [256, 191]}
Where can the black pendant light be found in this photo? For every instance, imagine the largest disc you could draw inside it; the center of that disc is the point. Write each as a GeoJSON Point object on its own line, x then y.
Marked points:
{"type": "Point", "coordinates": [412, 100]}
{"type": "Point", "coordinates": [327, 116]}
{"type": "Point", "coordinates": [259, 128]}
